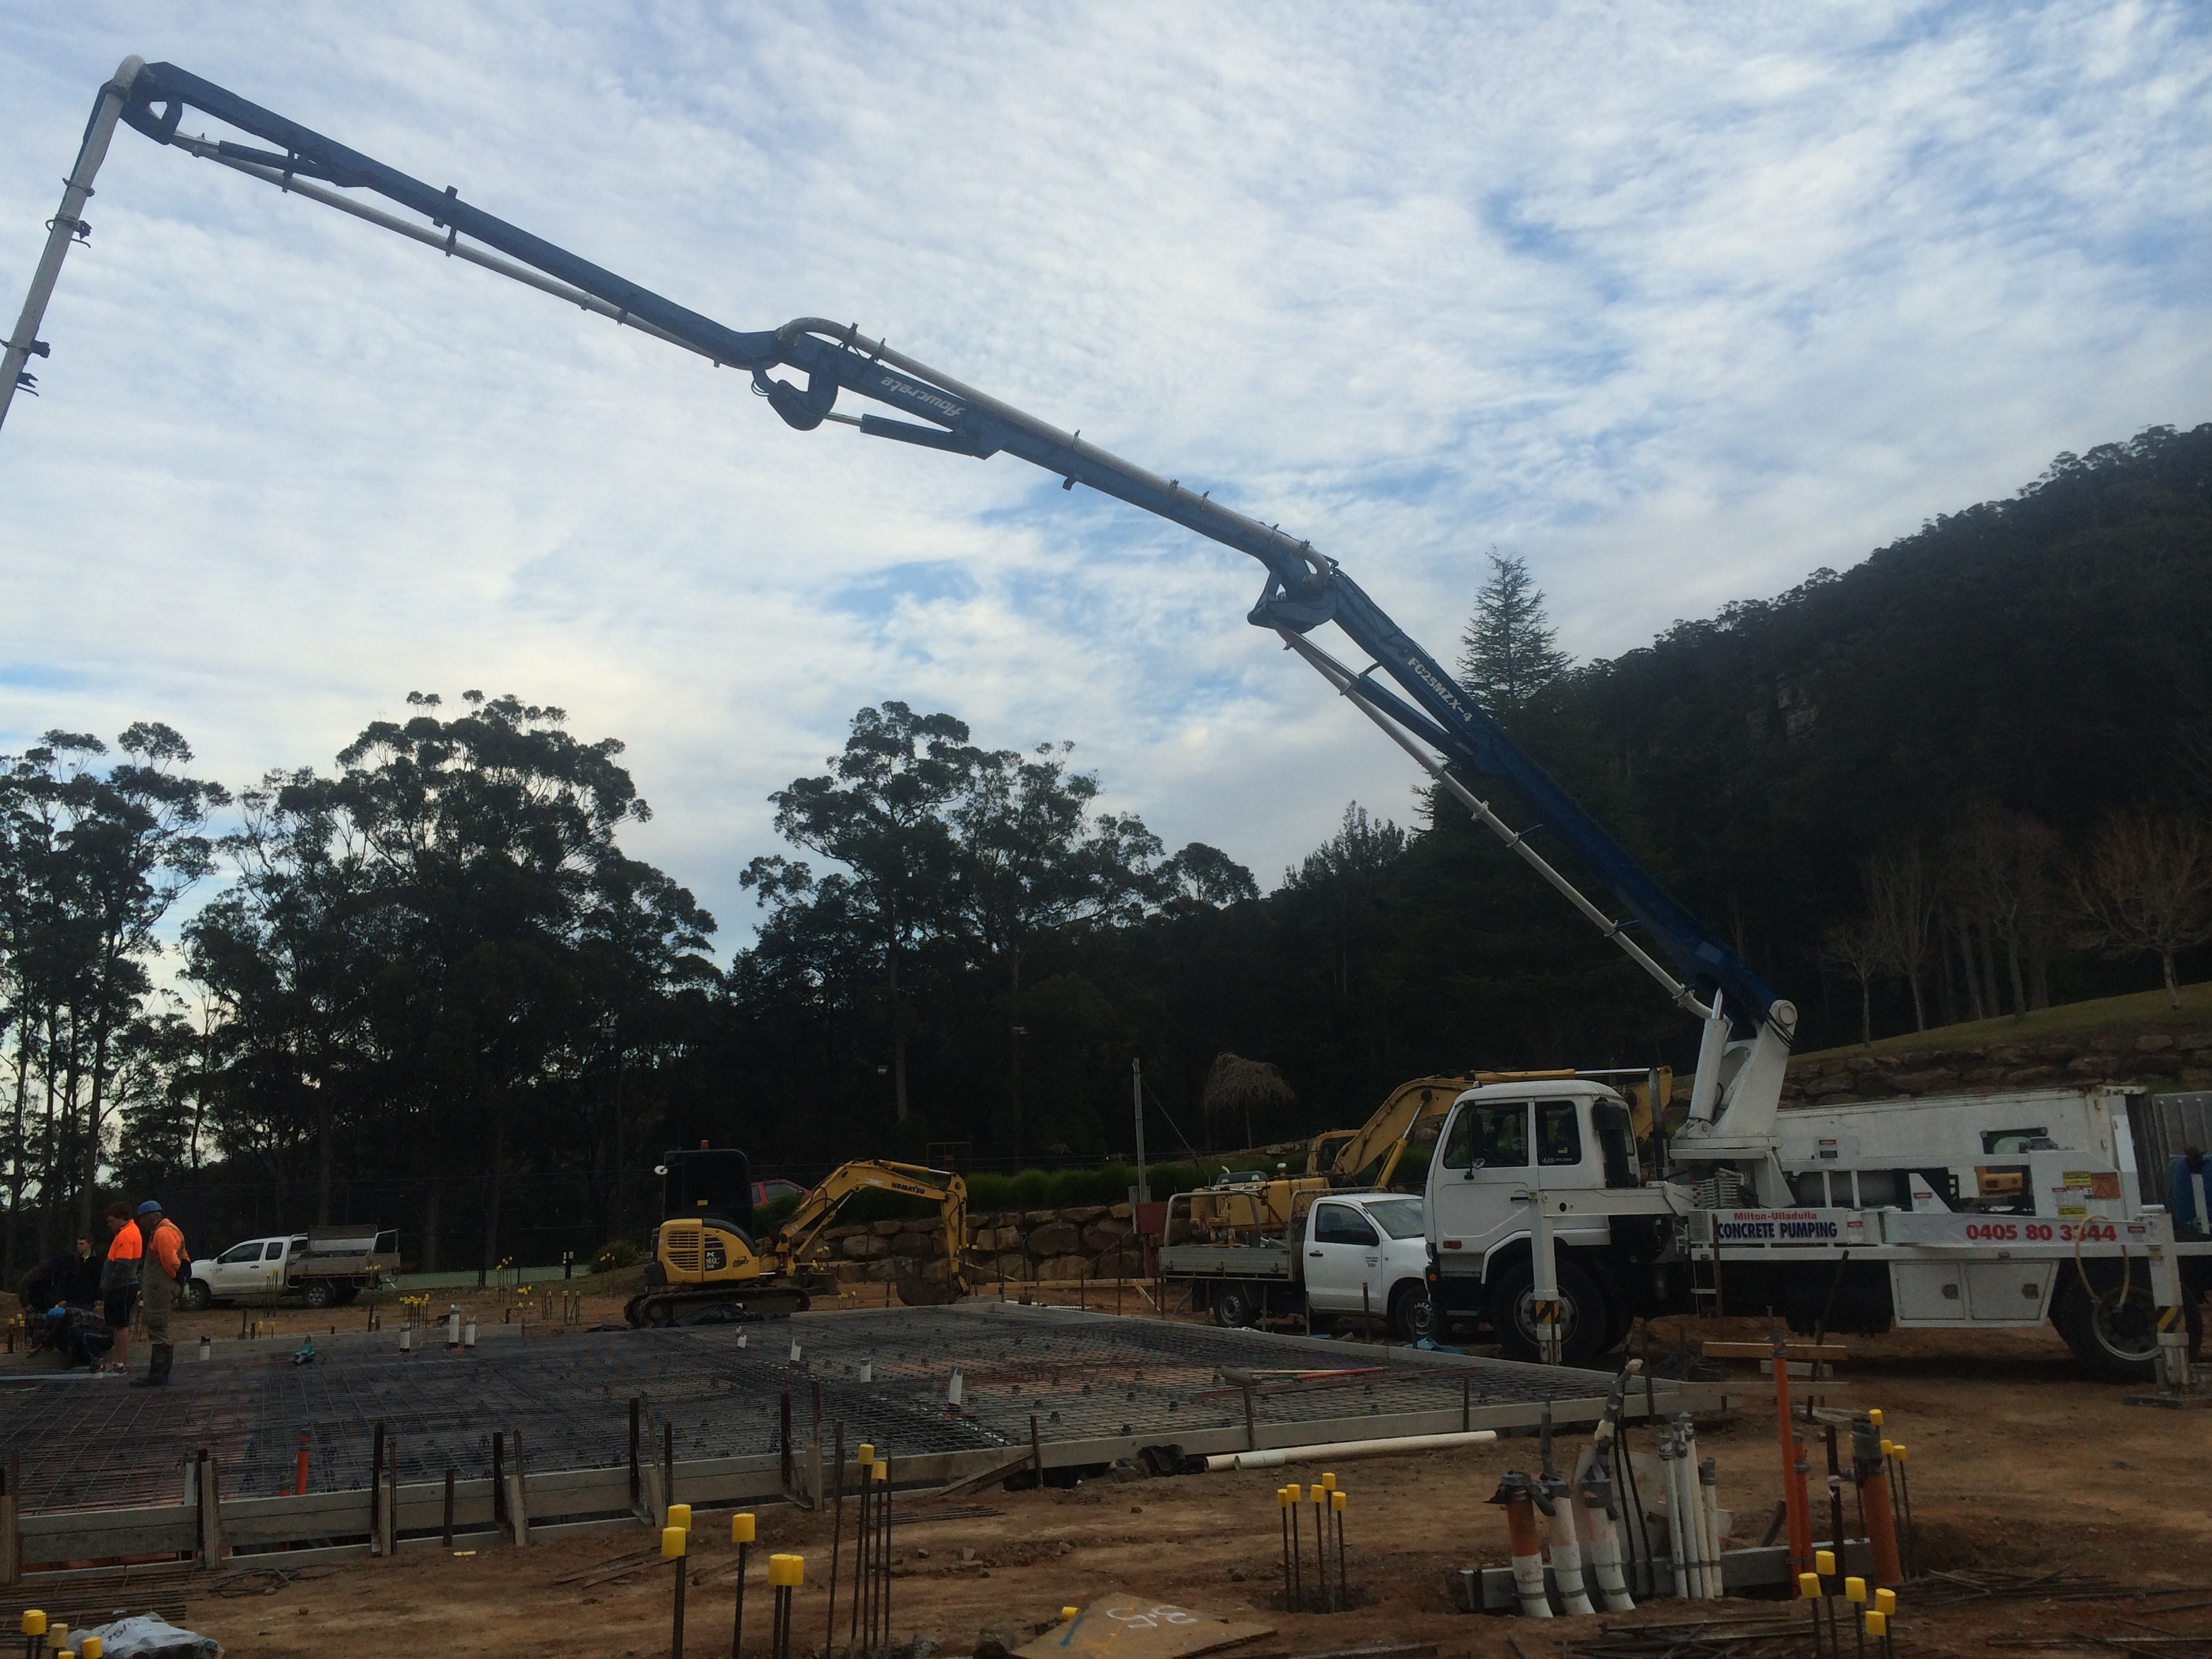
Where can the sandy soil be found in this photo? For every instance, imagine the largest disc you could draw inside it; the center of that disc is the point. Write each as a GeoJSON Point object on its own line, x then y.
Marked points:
{"type": "Point", "coordinates": [2016, 1464]}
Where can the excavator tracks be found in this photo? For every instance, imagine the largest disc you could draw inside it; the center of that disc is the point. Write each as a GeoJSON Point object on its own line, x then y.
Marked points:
{"type": "Point", "coordinates": [668, 1303]}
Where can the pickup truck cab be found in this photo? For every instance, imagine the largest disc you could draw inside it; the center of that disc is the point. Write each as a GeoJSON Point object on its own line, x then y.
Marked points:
{"type": "Point", "coordinates": [326, 1267]}
{"type": "Point", "coordinates": [1342, 1255]}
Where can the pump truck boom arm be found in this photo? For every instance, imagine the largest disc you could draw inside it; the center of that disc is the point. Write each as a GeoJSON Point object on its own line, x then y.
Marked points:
{"type": "Point", "coordinates": [1426, 711]}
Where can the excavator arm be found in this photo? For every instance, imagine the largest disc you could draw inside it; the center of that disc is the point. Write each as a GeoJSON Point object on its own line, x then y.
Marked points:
{"type": "Point", "coordinates": [788, 1250]}
{"type": "Point", "coordinates": [1428, 714]}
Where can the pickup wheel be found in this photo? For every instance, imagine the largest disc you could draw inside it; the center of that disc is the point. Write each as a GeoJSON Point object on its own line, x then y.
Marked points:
{"type": "Point", "coordinates": [197, 1295]}
{"type": "Point", "coordinates": [319, 1294]}
{"type": "Point", "coordinates": [1412, 1315]}
{"type": "Point", "coordinates": [1235, 1306]}
{"type": "Point", "coordinates": [1585, 1314]}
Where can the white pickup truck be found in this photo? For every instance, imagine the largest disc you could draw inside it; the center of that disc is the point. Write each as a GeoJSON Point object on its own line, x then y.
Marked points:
{"type": "Point", "coordinates": [1342, 1254]}
{"type": "Point", "coordinates": [325, 1267]}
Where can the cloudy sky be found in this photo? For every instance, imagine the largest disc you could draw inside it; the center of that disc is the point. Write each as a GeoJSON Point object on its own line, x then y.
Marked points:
{"type": "Point", "coordinates": [1676, 302]}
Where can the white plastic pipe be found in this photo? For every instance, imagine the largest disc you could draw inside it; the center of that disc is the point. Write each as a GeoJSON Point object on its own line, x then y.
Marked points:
{"type": "Point", "coordinates": [1602, 1548]}
{"type": "Point", "coordinates": [1275, 1457]}
{"type": "Point", "coordinates": [1567, 1553]}
{"type": "Point", "coordinates": [1709, 1521]}
{"type": "Point", "coordinates": [1677, 1565]}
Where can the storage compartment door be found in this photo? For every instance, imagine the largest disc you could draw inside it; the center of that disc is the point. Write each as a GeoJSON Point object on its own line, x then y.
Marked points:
{"type": "Point", "coordinates": [2008, 1292]}
{"type": "Point", "coordinates": [1928, 1292]}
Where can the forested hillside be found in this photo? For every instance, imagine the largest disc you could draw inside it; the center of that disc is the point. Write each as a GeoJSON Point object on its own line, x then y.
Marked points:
{"type": "Point", "coordinates": [427, 987]}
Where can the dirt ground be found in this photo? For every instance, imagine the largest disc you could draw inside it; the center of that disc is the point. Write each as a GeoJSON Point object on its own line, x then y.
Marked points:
{"type": "Point", "coordinates": [2016, 1464]}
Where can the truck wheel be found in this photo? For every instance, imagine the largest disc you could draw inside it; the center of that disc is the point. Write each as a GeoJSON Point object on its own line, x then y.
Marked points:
{"type": "Point", "coordinates": [1585, 1315]}
{"type": "Point", "coordinates": [319, 1294]}
{"type": "Point", "coordinates": [2115, 1336]}
{"type": "Point", "coordinates": [1235, 1306]}
{"type": "Point", "coordinates": [197, 1296]}
{"type": "Point", "coordinates": [1412, 1316]}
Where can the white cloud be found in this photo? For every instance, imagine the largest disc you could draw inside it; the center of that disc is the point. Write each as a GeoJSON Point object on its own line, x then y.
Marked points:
{"type": "Point", "coordinates": [1677, 302]}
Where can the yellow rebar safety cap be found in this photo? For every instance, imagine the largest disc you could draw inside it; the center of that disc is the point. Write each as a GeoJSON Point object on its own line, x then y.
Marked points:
{"type": "Point", "coordinates": [1328, 1480]}
{"type": "Point", "coordinates": [1854, 1589]}
{"type": "Point", "coordinates": [1875, 1417]}
{"type": "Point", "coordinates": [1071, 1613]}
{"type": "Point", "coordinates": [1336, 1501]}
{"type": "Point", "coordinates": [1885, 1601]}
{"type": "Point", "coordinates": [741, 1530]}
{"type": "Point", "coordinates": [1823, 1562]}
{"type": "Point", "coordinates": [1877, 1624]}
{"type": "Point", "coordinates": [1897, 1450]}
{"type": "Point", "coordinates": [1889, 1448]}
{"type": "Point", "coordinates": [865, 1455]}
{"type": "Point", "coordinates": [91, 1648]}
{"type": "Point", "coordinates": [679, 1515]}
{"type": "Point", "coordinates": [34, 1622]}
{"type": "Point", "coordinates": [672, 1542]}
{"type": "Point", "coordinates": [787, 1572]}
{"type": "Point", "coordinates": [883, 1470]}
{"type": "Point", "coordinates": [1320, 1495]}
{"type": "Point", "coordinates": [1282, 1497]}
{"type": "Point", "coordinates": [1808, 1586]}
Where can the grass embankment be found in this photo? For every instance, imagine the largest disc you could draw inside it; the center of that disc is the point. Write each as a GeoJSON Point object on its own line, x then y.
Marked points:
{"type": "Point", "coordinates": [2145, 1011]}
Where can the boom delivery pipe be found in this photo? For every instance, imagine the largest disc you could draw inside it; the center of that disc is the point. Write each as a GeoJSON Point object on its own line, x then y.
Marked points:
{"type": "Point", "coordinates": [1303, 588]}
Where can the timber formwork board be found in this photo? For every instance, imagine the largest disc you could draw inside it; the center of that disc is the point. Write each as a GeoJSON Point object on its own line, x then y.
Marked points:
{"type": "Point", "coordinates": [1098, 1387]}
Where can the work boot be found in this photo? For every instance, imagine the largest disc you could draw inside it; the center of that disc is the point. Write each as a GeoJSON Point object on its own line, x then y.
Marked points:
{"type": "Point", "coordinates": [157, 1366]}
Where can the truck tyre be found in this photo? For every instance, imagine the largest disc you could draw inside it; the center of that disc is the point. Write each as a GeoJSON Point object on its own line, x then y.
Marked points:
{"type": "Point", "coordinates": [1585, 1314]}
{"type": "Point", "coordinates": [1235, 1306]}
{"type": "Point", "coordinates": [1412, 1316]}
{"type": "Point", "coordinates": [2112, 1323]}
{"type": "Point", "coordinates": [318, 1293]}
{"type": "Point", "coordinates": [197, 1295]}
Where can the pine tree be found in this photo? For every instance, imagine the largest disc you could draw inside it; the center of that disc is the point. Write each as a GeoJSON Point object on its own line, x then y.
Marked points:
{"type": "Point", "coordinates": [1510, 653]}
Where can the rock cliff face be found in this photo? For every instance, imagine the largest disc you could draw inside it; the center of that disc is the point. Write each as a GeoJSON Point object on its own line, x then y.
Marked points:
{"type": "Point", "coordinates": [1087, 1242]}
{"type": "Point", "coordinates": [2165, 1058]}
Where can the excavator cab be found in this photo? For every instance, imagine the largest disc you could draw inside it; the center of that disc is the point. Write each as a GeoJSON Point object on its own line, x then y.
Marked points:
{"type": "Point", "coordinates": [707, 1181]}
{"type": "Point", "coordinates": [702, 1251]}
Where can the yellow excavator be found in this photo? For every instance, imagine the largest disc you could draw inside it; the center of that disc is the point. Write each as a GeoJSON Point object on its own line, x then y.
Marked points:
{"type": "Point", "coordinates": [705, 1254]}
{"type": "Point", "coordinates": [1367, 1158]}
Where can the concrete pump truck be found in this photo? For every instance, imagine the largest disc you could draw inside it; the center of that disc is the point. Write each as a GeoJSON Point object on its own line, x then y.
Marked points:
{"type": "Point", "coordinates": [1539, 1214]}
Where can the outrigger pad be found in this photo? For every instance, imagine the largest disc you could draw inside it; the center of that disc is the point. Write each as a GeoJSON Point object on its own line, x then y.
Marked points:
{"type": "Point", "coordinates": [919, 1293]}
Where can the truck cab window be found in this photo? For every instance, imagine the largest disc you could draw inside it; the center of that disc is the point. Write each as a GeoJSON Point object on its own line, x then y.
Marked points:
{"type": "Point", "coordinates": [1616, 1142]}
{"type": "Point", "coordinates": [238, 1252]}
{"type": "Point", "coordinates": [275, 1250]}
{"type": "Point", "coordinates": [1484, 1137]}
{"type": "Point", "coordinates": [1340, 1224]}
{"type": "Point", "coordinates": [1559, 1137]}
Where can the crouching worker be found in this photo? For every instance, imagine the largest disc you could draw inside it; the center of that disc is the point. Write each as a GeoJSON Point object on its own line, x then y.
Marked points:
{"type": "Point", "coordinates": [166, 1263]}
{"type": "Point", "coordinates": [80, 1336]}
{"type": "Point", "coordinates": [69, 1279]}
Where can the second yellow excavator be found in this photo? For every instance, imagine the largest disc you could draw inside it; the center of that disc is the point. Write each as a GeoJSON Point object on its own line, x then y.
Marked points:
{"type": "Point", "coordinates": [705, 1253]}
{"type": "Point", "coordinates": [1367, 1158]}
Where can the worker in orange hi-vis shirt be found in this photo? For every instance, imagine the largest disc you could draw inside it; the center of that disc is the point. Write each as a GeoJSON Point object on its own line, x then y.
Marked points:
{"type": "Point", "coordinates": [119, 1282]}
{"type": "Point", "coordinates": [166, 1263]}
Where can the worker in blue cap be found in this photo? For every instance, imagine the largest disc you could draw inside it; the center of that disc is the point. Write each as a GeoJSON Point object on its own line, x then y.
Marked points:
{"type": "Point", "coordinates": [166, 1263]}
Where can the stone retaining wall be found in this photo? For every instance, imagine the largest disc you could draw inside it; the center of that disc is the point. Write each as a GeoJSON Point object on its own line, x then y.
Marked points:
{"type": "Point", "coordinates": [2164, 1058]}
{"type": "Point", "coordinates": [1094, 1241]}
